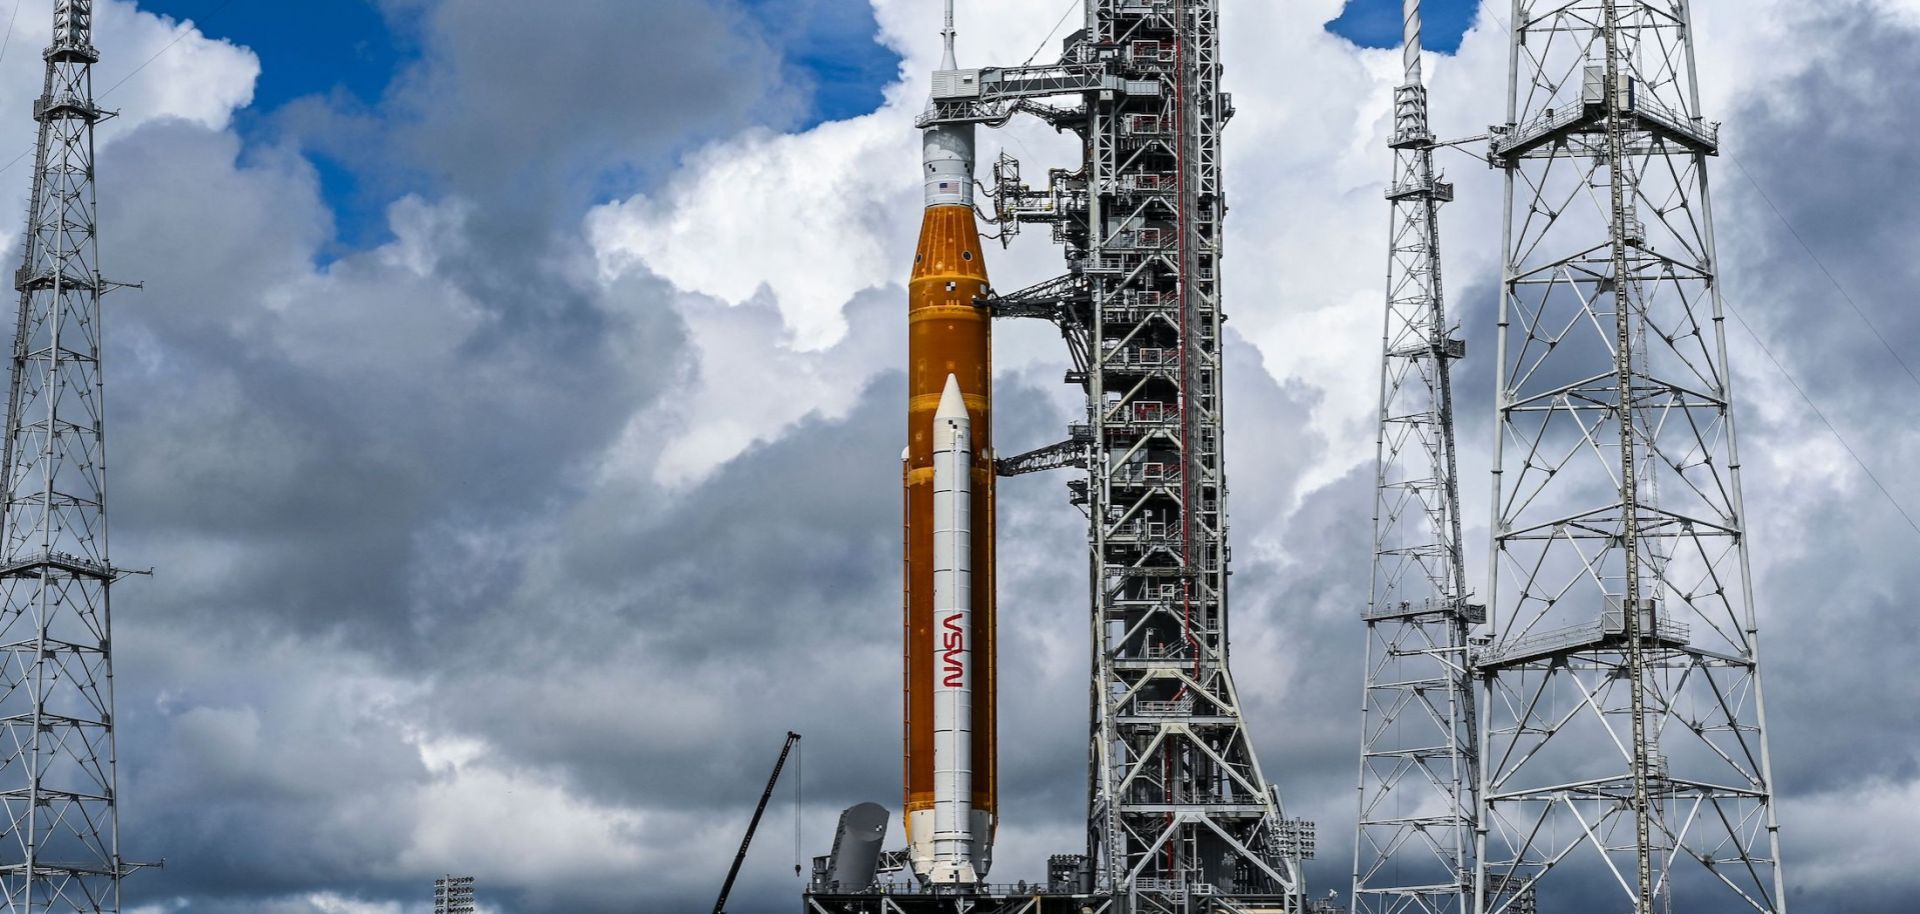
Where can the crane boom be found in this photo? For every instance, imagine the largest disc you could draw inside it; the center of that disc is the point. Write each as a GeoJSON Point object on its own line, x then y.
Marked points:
{"type": "Point", "coordinates": [733, 872]}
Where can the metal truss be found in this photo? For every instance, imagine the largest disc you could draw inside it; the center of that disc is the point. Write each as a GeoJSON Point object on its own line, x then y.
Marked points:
{"type": "Point", "coordinates": [1622, 722]}
{"type": "Point", "coordinates": [1413, 851]}
{"type": "Point", "coordinates": [1058, 456]}
{"type": "Point", "coordinates": [1180, 816]}
{"type": "Point", "coordinates": [60, 848]}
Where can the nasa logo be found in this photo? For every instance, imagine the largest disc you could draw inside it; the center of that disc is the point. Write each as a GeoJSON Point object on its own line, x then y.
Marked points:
{"type": "Point", "coordinates": [954, 642]}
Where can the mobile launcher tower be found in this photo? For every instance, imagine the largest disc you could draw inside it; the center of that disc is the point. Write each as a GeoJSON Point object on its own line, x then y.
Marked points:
{"type": "Point", "coordinates": [1180, 818]}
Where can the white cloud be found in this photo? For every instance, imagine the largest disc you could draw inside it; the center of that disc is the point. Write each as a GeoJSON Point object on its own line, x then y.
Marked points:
{"type": "Point", "coordinates": [331, 903]}
{"type": "Point", "coordinates": [155, 67]}
{"type": "Point", "coordinates": [792, 215]}
{"type": "Point", "coordinates": [474, 817]}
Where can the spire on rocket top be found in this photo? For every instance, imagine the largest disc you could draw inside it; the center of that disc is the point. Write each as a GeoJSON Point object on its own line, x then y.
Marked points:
{"type": "Point", "coordinates": [947, 61]}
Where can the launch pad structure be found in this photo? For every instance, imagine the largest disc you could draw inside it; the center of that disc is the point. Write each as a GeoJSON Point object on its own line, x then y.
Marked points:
{"type": "Point", "coordinates": [1181, 818]}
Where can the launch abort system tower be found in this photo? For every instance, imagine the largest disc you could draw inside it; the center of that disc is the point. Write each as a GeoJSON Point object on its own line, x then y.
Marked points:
{"type": "Point", "coordinates": [61, 850]}
{"type": "Point", "coordinates": [1623, 729]}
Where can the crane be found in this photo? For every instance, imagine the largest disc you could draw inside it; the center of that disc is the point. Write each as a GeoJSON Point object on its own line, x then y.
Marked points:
{"type": "Point", "coordinates": [733, 872]}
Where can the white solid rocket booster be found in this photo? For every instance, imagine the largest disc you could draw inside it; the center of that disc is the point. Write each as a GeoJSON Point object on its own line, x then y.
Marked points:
{"type": "Point", "coordinates": [953, 641]}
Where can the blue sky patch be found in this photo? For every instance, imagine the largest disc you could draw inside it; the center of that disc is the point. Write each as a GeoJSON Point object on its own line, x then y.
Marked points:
{"type": "Point", "coordinates": [304, 48]}
{"type": "Point", "coordinates": [348, 47]}
{"type": "Point", "coordinates": [1376, 23]}
{"type": "Point", "coordinates": [337, 46]}
{"type": "Point", "coordinates": [833, 43]}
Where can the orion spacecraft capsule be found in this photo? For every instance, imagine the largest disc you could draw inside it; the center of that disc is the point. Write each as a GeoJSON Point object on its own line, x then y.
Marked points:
{"type": "Point", "coordinates": [949, 574]}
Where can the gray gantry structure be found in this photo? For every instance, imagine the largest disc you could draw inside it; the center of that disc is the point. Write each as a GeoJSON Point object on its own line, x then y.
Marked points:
{"type": "Point", "coordinates": [1413, 851]}
{"type": "Point", "coordinates": [1180, 816]}
{"type": "Point", "coordinates": [1622, 723]}
{"type": "Point", "coordinates": [61, 850]}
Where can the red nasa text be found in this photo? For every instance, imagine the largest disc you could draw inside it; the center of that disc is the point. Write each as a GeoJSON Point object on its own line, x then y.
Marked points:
{"type": "Point", "coordinates": [953, 643]}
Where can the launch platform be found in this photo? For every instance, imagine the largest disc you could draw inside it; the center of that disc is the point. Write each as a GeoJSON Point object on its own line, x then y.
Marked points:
{"type": "Point", "coordinates": [1068, 889]}
{"type": "Point", "coordinates": [1019, 899]}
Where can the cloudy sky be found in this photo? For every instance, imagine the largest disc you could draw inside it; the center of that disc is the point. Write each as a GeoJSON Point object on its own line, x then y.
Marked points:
{"type": "Point", "coordinates": [512, 410]}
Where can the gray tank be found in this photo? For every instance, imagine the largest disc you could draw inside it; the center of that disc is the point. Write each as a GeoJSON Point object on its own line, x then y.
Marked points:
{"type": "Point", "coordinates": [856, 848]}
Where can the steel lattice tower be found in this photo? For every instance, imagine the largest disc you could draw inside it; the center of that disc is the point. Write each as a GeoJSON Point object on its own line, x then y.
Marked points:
{"type": "Point", "coordinates": [1180, 816]}
{"type": "Point", "coordinates": [1622, 722]}
{"type": "Point", "coordinates": [61, 843]}
{"type": "Point", "coordinates": [1413, 852]}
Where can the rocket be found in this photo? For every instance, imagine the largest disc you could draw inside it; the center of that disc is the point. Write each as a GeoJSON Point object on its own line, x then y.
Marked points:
{"type": "Point", "coordinates": [948, 583]}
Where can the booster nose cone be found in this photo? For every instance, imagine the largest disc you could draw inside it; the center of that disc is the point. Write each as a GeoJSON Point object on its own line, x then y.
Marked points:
{"type": "Point", "coordinates": [953, 405]}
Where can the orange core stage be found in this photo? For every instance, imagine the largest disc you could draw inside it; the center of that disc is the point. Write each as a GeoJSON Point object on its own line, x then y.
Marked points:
{"type": "Point", "coordinates": [948, 335]}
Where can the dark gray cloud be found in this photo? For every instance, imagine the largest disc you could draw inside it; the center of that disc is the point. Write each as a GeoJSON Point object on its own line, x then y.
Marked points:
{"type": "Point", "coordinates": [333, 469]}
{"type": "Point", "coordinates": [1836, 564]}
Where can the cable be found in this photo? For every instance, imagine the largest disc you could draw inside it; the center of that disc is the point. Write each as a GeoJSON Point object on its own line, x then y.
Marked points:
{"type": "Point", "coordinates": [1858, 312]}
{"type": "Point", "coordinates": [1824, 421]}
{"type": "Point", "coordinates": [4, 42]}
{"type": "Point", "coordinates": [1056, 30]}
{"type": "Point", "coordinates": [1826, 272]}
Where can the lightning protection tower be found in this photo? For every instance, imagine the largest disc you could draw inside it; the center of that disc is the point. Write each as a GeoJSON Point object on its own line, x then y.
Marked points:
{"type": "Point", "coordinates": [61, 844]}
{"type": "Point", "coordinates": [1623, 727]}
{"type": "Point", "coordinates": [1414, 842]}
